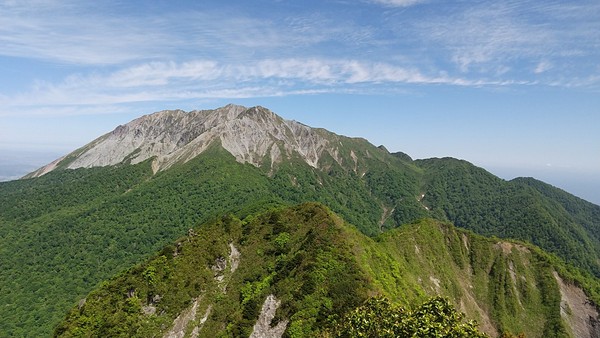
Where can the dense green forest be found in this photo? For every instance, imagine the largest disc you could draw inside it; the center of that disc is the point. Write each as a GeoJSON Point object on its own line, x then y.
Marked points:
{"type": "Point", "coordinates": [523, 209]}
{"type": "Point", "coordinates": [63, 233]}
{"type": "Point", "coordinates": [324, 271]}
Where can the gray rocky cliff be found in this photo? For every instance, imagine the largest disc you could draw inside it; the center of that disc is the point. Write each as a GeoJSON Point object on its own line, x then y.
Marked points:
{"type": "Point", "coordinates": [253, 135]}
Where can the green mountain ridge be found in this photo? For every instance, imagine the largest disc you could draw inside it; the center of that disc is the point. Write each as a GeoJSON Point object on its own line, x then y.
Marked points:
{"type": "Point", "coordinates": [64, 232]}
{"type": "Point", "coordinates": [319, 268]}
{"type": "Point", "coordinates": [523, 209]}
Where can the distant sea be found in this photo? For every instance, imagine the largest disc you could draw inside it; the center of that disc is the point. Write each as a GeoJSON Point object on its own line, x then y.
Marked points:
{"type": "Point", "coordinates": [582, 185]}
{"type": "Point", "coordinates": [16, 164]}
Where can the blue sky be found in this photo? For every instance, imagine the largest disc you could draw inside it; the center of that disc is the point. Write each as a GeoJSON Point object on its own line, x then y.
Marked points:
{"type": "Point", "coordinates": [513, 86]}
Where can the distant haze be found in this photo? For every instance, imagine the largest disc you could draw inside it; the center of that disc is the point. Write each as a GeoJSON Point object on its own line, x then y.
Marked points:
{"type": "Point", "coordinates": [585, 186]}
{"type": "Point", "coordinates": [15, 164]}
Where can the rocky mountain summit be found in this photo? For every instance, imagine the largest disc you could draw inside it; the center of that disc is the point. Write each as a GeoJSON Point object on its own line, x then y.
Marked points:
{"type": "Point", "coordinates": [253, 135]}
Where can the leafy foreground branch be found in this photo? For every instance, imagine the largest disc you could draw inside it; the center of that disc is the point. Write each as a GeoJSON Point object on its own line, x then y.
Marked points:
{"type": "Point", "coordinates": [378, 317]}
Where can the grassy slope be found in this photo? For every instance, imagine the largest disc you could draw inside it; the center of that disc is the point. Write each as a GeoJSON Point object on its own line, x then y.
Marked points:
{"type": "Point", "coordinates": [320, 267]}
{"type": "Point", "coordinates": [498, 283]}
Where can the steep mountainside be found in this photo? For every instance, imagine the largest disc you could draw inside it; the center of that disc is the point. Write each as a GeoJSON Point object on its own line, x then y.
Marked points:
{"type": "Point", "coordinates": [582, 212]}
{"type": "Point", "coordinates": [254, 135]}
{"type": "Point", "coordinates": [311, 268]}
{"type": "Point", "coordinates": [121, 198]}
{"type": "Point", "coordinates": [526, 209]}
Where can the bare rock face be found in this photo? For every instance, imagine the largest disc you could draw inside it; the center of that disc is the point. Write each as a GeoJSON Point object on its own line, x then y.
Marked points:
{"type": "Point", "coordinates": [253, 135]}
{"type": "Point", "coordinates": [262, 328]}
{"type": "Point", "coordinates": [182, 321]}
{"type": "Point", "coordinates": [578, 311]}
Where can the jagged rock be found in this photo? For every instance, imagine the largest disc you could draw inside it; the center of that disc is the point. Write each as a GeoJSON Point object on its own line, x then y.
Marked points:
{"type": "Point", "coordinates": [181, 322]}
{"type": "Point", "coordinates": [196, 330]}
{"type": "Point", "coordinates": [262, 328]}
{"type": "Point", "coordinates": [219, 266]}
{"type": "Point", "coordinates": [577, 310]}
{"type": "Point", "coordinates": [149, 310]}
{"type": "Point", "coordinates": [177, 249]}
{"type": "Point", "coordinates": [234, 258]}
{"type": "Point", "coordinates": [252, 135]}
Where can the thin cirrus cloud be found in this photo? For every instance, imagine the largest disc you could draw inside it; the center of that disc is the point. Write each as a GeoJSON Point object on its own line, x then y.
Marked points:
{"type": "Point", "coordinates": [163, 81]}
{"type": "Point", "coordinates": [543, 66]}
{"type": "Point", "coordinates": [74, 35]}
{"type": "Point", "coordinates": [479, 39]}
{"type": "Point", "coordinates": [70, 34]}
{"type": "Point", "coordinates": [484, 35]}
{"type": "Point", "coordinates": [179, 55]}
{"type": "Point", "coordinates": [516, 35]}
{"type": "Point", "coordinates": [397, 3]}
{"type": "Point", "coordinates": [74, 39]}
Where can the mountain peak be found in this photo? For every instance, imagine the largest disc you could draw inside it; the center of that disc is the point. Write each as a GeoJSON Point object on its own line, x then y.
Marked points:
{"type": "Point", "coordinates": [251, 135]}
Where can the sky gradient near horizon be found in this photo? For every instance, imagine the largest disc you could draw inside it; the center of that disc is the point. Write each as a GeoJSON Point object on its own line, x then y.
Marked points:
{"type": "Point", "coordinates": [513, 86]}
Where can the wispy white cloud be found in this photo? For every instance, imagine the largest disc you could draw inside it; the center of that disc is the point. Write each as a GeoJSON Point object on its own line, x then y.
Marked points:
{"type": "Point", "coordinates": [60, 31]}
{"type": "Point", "coordinates": [485, 35]}
{"type": "Point", "coordinates": [502, 40]}
{"type": "Point", "coordinates": [510, 38]}
{"type": "Point", "coordinates": [72, 32]}
{"type": "Point", "coordinates": [397, 3]}
{"type": "Point", "coordinates": [66, 32]}
{"type": "Point", "coordinates": [201, 79]}
{"type": "Point", "coordinates": [198, 54]}
{"type": "Point", "coordinates": [542, 66]}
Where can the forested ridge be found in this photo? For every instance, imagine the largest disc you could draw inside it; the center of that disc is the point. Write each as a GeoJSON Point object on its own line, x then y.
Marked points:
{"type": "Point", "coordinates": [63, 233]}
{"type": "Point", "coordinates": [326, 274]}
{"type": "Point", "coordinates": [523, 209]}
